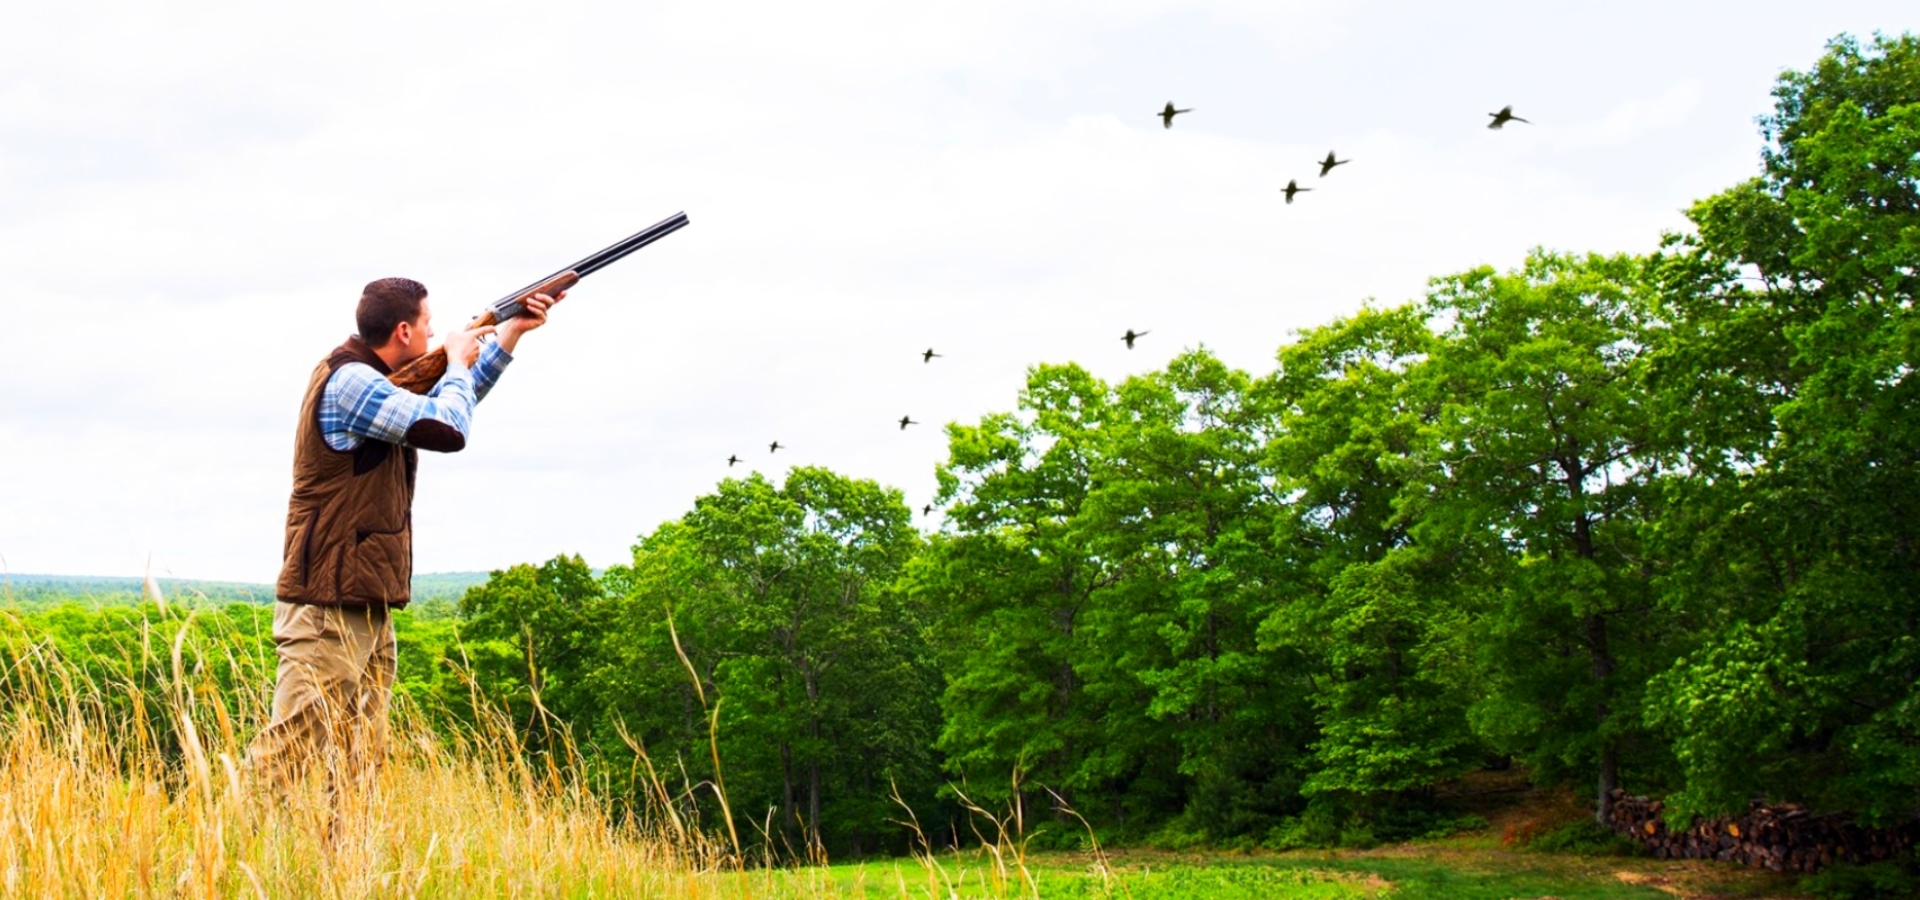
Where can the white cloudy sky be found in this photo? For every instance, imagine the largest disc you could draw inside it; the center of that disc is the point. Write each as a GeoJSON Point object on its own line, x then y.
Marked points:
{"type": "Point", "coordinates": [192, 194]}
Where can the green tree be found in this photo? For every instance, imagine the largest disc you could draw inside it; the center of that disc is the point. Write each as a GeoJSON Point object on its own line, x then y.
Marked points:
{"type": "Point", "coordinates": [1535, 474]}
{"type": "Point", "coordinates": [784, 601]}
{"type": "Point", "coordinates": [1180, 503]}
{"type": "Point", "coordinates": [532, 636]}
{"type": "Point", "coordinates": [1031, 691]}
{"type": "Point", "coordinates": [1374, 626]}
{"type": "Point", "coordinates": [1797, 341]}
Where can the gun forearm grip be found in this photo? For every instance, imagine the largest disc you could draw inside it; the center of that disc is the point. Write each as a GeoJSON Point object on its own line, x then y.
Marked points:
{"type": "Point", "coordinates": [517, 304]}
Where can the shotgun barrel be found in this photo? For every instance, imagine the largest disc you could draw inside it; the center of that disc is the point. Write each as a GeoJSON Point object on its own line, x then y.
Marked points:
{"type": "Point", "coordinates": [422, 374]}
{"type": "Point", "coordinates": [510, 306]}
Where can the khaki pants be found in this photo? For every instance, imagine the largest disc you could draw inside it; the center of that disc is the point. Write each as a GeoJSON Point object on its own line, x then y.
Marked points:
{"type": "Point", "coordinates": [330, 699]}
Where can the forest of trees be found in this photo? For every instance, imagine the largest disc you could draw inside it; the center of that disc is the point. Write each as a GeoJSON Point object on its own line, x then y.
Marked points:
{"type": "Point", "coordinates": [1645, 522]}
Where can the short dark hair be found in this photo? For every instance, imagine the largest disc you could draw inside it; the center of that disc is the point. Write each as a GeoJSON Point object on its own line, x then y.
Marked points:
{"type": "Point", "coordinates": [384, 304]}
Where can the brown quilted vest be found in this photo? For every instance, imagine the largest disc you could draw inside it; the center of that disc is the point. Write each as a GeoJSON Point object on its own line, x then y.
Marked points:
{"type": "Point", "coordinates": [350, 521]}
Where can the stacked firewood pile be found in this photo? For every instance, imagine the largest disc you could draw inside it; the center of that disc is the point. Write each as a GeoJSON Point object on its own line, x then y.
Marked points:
{"type": "Point", "coordinates": [1784, 838]}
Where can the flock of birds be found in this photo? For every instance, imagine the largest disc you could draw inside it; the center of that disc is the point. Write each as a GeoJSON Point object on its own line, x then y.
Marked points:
{"type": "Point", "coordinates": [1500, 119]}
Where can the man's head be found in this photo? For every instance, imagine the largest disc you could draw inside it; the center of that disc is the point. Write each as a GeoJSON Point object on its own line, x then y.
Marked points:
{"type": "Point", "coordinates": [393, 319]}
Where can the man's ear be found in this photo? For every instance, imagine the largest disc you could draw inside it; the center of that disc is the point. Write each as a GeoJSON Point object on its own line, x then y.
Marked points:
{"type": "Point", "coordinates": [402, 335]}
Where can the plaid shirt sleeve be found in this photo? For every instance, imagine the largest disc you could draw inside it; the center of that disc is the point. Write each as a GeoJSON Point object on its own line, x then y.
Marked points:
{"type": "Point", "coordinates": [359, 403]}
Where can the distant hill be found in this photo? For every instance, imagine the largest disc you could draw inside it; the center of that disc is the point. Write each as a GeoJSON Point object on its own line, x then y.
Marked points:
{"type": "Point", "coordinates": [33, 589]}
{"type": "Point", "coordinates": [445, 585]}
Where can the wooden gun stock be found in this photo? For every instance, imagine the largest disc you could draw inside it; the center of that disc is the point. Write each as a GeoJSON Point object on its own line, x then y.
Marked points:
{"type": "Point", "coordinates": [422, 374]}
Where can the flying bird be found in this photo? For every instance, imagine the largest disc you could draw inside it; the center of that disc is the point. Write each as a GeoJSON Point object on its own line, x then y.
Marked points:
{"type": "Point", "coordinates": [773, 447]}
{"type": "Point", "coordinates": [731, 459]}
{"type": "Point", "coordinates": [1293, 188]}
{"type": "Point", "coordinates": [928, 356]}
{"type": "Point", "coordinates": [1131, 335]}
{"type": "Point", "coordinates": [1326, 165]}
{"type": "Point", "coordinates": [926, 510]}
{"type": "Point", "coordinates": [904, 422]}
{"type": "Point", "coordinates": [1504, 116]}
{"type": "Point", "coordinates": [1166, 115]}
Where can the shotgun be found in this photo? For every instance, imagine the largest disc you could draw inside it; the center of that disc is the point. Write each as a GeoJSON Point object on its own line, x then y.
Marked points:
{"type": "Point", "coordinates": [422, 374]}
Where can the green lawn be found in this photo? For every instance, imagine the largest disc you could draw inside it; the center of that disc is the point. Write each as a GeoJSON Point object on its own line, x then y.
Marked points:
{"type": "Point", "coordinates": [1424, 872]}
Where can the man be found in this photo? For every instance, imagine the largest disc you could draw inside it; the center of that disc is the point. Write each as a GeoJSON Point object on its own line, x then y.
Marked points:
{"type": "Point", "coordinates": [348, 557]}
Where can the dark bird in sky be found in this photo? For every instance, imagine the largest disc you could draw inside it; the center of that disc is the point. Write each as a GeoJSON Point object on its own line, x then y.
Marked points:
{"type": "Point", "coordinates": [1504, 116]}
{"type": "Point", "coordinates": [773, 447]}
{"type": "Point", "coordinates": [1131, 335]}
{"type": "Point", "coordinates": [928, 356]}
{"type": "Point", "coordinates": [904, 422]}
{"type": "Point", "coordinates": [1293, 188]}
{"type": "Point", "coordinates": [731, 459]}
{"type": "Point", "coordinates": [926, 510]}
{"type": "Point", "coordinates": [1326, 165]}
{"type": "Point", "coordinates": [1166, 115]}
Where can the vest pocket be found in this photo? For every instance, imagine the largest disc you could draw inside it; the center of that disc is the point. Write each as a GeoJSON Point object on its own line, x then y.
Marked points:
{"type": "Point", "coordinates": [297, 558]}
{"type": "Point", "coordinates": [376, 568]}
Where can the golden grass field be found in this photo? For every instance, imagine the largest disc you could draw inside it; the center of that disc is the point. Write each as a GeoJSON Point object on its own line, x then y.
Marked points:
{"type": "Point", "coordinates": [95, 802]}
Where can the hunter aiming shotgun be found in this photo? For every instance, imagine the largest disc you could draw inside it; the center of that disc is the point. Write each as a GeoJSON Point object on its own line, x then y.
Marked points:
{"type": "Point", "coordinates": [422, 374]}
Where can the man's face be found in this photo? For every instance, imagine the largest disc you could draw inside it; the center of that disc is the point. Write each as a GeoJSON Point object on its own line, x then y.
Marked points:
{"type": "Point", "coordinates": [413, 336]}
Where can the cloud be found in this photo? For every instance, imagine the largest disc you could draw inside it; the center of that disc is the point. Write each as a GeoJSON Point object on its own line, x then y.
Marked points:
{"type": "Point", "coordinates": [192, 194]}
{"type": "Point", "coordinates": [1634, 119]}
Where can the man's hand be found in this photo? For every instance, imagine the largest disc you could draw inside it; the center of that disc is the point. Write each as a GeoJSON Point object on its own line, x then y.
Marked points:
{"type": "Point", "coordinates": [463, 347]}
{"type": "Point", "coordinates": [535, 316]}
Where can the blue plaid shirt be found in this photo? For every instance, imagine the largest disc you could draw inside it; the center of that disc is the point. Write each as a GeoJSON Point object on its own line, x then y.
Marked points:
{"type": "Point", "coordinates": [359, 403]}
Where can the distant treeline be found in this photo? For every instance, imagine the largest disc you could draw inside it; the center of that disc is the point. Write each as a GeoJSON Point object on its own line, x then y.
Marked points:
{"type": "Point", "coordinates": [33, 590]}
{"type": "Point", "coordinates": [1647, 522]}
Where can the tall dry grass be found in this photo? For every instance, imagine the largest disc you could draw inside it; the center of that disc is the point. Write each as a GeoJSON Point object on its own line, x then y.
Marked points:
{"type": "Point", "coordinates": [100, 797]}
{"type": "Point", "coordinates": [132, 785]}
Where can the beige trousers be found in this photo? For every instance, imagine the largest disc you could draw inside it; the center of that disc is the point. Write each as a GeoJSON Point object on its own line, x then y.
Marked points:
{"type": "Point", "coordinates": [331, 695]}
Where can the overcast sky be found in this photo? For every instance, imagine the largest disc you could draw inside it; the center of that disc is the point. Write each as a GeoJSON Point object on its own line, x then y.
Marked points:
{"type": "Point", "coordinates": [192, 195]}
